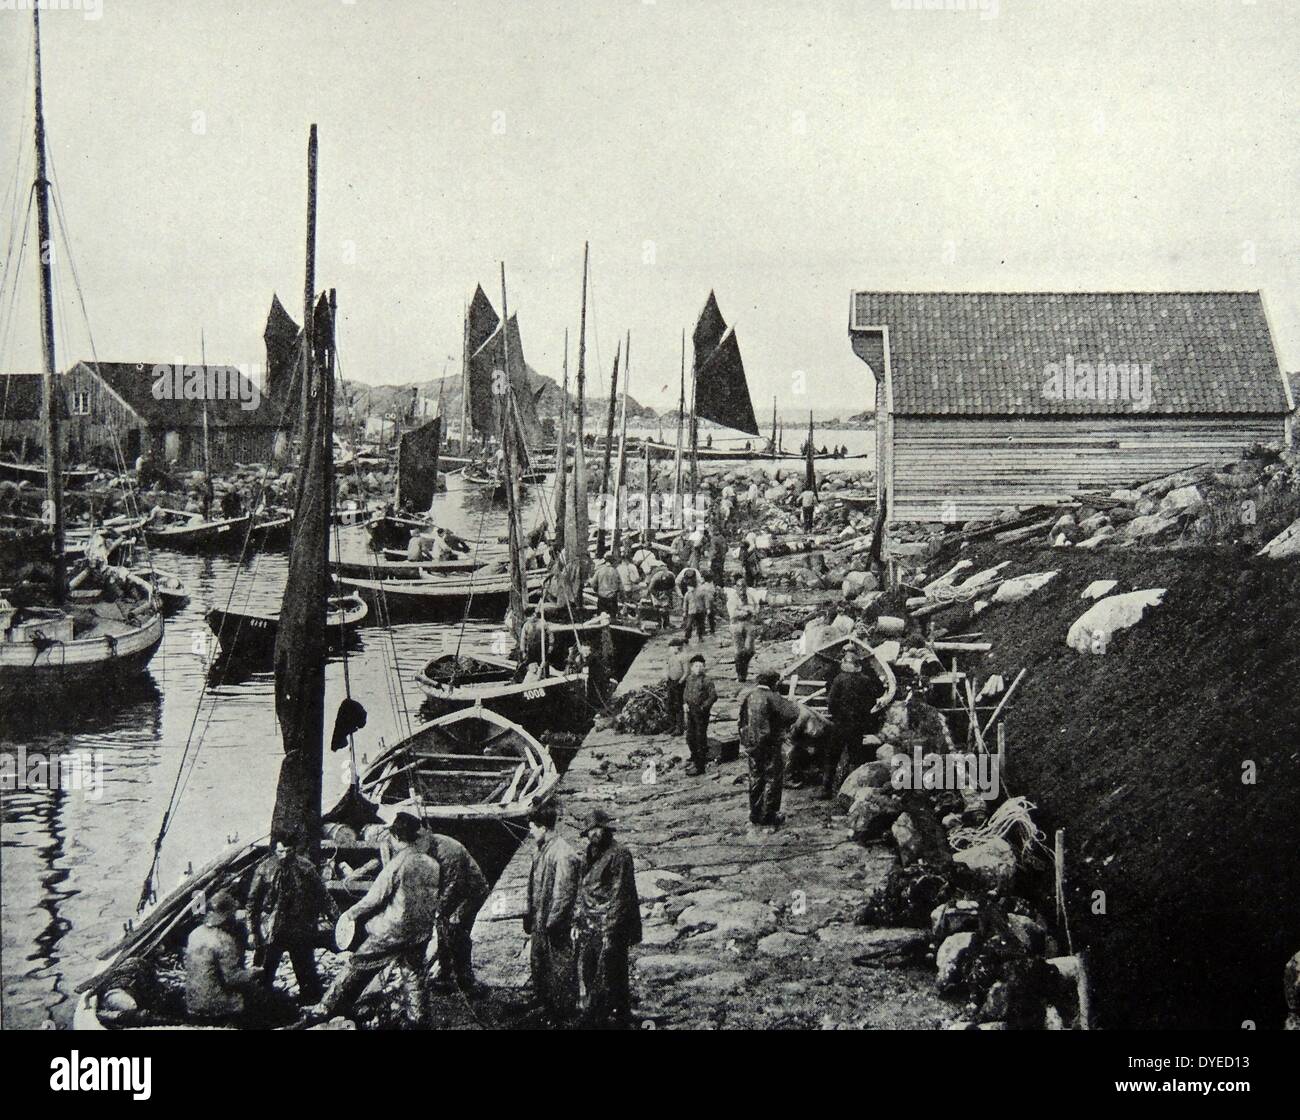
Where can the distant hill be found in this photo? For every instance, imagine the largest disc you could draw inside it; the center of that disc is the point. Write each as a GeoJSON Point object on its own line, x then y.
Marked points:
{"type": "Point", "coordinates": [360, 401]}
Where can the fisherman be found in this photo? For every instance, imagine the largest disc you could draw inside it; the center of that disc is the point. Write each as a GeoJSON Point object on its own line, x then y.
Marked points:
{"type": "Point", "coordinates": [749, 559]}
{"type": "Point", "coordinates": [629, 575]}
{"type": "Point", "coordinates": [232, 505]}
{"type": "Point", "coordinates": [206, 495]}
{"type": "Point", "coordinates": [462, 890]}
{"type": "Point", "coordinates": [605, 582]}
{"type": "Point", "coordinates": [852, 702]}
{"type": "Point", "coordinates": [808, 500]}
{"type": "Point", "coordinates": [718, 560]}
{"type": "Point", "coordinates": [286, 898]}
{"type": "Point", "coordinates": [530, 640]}
{"type": "Point", "coordinates": [709, 590]}
{"type": "Point", "coordinates": [765, 719]}
{"type": "Point", "coordinates": [696, 606]}
{"type": "Point", "coordinates": [548, 921]}
{"type": "Point", "coordinates": [700, 695]}
{"type": "Point", "coordinates": [659, 586]}
{"type": "Point", "coordinates": [598, 680]}
{"type": "Point", "coordinates": [744, 640]}
{"type": "Point", "coordinates": [687, 578]}
{"type": "Point", "coordinates": [219, 990]}
{"type": "Point", "coordinates": [675, 677]}
{"type": "Point", "coordinates": [740, 594]}
{"type": "Point", "coordinates": [399, 912]}
{"type": "Point", "coordinates": [607, 922]}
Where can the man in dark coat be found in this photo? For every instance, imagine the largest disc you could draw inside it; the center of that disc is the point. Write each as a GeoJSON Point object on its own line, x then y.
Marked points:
{"type": "Point", "coordinates": [700, 695]}
{"type": "Point", "coordinates": [851, 704]}
{"type": "Point", "coordinates": [285, 899]}
{"type": "Point", "coordinates": [608, 922]}
{"type": "Point", "coordinates": [548, 921]}
{"type": "Point", "coordinates": [462, 890]}
{"type": "Point", "coordinates": [765, 720]}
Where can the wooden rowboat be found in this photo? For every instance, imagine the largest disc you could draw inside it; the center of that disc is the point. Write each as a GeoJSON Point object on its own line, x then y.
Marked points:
{"type": "Point", "coordinates": [808, 679]}
{"type": "Point", "coordinates": [454, 683]}
{"type": "Point", "coordinates": [250, 635]}
{"type": "Point", "coordinates": [473, 775]}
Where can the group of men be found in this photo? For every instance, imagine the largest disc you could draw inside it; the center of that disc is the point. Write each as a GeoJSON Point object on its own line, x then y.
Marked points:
{"type": "Point", "coordinates": [583, 917]}
{"type": "Point", "coordinates": [423, 883]}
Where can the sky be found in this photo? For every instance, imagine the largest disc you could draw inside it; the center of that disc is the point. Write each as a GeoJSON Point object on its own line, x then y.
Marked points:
{"type": "Point", "coordinates": [781, 154]}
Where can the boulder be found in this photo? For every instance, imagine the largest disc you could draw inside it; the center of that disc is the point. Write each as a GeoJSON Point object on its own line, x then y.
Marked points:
{"type": "Point", "coordinates": [959, 916]}
{"type": "Point", "coordinates": [1099, 538]}
{"type": "Point", "coordinates": [908, 839]}
{"type": "Point", "coordinates": [870, 775]}
{"type": "Point", "coordinates": [1021, 587]}
{"type": "Point", "coordinates": [988, 865]}
{"type": "Point", "coordinates": [871, 814]}
{"type": "Point", "coordinates": [950, 961]}
{"type": "Point", "coordinates": [856, 583]}
{"type": "Point", "coordinates": [1093, 630]}
{"type": "Point", "coordinates": [783, 944]}
{"type": "Point", "coordinates": [1186, 499]}
{"type": "Point", "coordinates": [1150, 527]}
{"type": "Point", "coordinates": [1097, 588]}
{"type": "Point", "coordinates": [1286, 544]}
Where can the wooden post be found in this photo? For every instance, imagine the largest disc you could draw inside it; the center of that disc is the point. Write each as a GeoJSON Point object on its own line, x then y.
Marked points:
{"type": "Point", "coordinates": [1059, 861]}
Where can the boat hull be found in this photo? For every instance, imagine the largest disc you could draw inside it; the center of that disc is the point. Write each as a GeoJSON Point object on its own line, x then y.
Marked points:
{"type": "Point", "coordinates": [79, 664]}
{"type": "Point", "coordinates": [554, 704]}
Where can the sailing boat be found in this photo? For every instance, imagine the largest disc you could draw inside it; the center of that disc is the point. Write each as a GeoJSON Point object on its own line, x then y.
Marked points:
{"type": "Point", "coordinates": [138, 983]}
{"type": "Point", "coordinates": [103, 624]}
{"type": "Point", "coordinates": [719, 391]}
{"type": "Point", "coordinates": [453, 682]}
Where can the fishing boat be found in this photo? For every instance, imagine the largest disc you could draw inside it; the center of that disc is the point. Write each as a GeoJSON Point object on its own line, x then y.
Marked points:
{"type": "Point", "coordinates": [74, 478]}
{"type": "Point", "coordinates": [101, 626]}
{"type": "Point", "coordinates": [392, 564]}
{"type": "Point", "coordinates": [172, 593]}
{"type": "Point", "coordinates": [809, 678]}
{"type": "Point", "coordinates": [186, 531]}
{"type": "Point", "coordinates": [250, 635]}
{"type": "Point", "coordinates": [481, 595]}
{"type": "Point", "coordinates": [473, 775]}
{"type": "Point", "coordinates": [454, 683]}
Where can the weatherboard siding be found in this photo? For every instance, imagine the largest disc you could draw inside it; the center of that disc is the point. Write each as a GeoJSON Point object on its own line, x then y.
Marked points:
{"type": "Point", "coordinates": [949, 468]}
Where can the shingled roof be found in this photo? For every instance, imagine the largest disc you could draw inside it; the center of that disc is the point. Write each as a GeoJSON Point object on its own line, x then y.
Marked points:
{"type": "Point", "coordinates": [134, 381]}
{"type": "Point", "coordinates": [991, 353]}
{"type": "Point", "coordinates": [21, 396]}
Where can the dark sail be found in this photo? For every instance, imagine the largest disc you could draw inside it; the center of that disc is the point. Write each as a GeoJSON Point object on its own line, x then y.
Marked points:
{"type": "Point", "coordinates": [482, 341]}
{"type": "Point", "coordinates": [300, 641]}
{"type": "Point", "coordinates": [721, 391]}
{"type": "Point", "coordinates": [709, 330]}
{"type": "Point", "coordinates": [282, 362]}
{"type": "Point", "coordinates": [485, 365]}
{"type": "Point", "coordinates": [417, 465]}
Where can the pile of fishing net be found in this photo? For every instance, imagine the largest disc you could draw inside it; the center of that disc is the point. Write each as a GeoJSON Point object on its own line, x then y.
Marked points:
{"type": "Point", "coordinates": [643, 711]}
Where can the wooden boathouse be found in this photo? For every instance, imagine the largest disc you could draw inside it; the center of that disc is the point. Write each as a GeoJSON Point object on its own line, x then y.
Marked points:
{"type": "Point", "coordinates": [990, 400]}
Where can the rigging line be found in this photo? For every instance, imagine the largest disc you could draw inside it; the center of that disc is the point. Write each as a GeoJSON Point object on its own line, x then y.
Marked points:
{"type": "Point", "coordinates": [7, 328]}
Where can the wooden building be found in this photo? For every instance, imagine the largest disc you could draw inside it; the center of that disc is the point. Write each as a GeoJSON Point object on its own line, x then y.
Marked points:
{"type": "Point", "coordinates": [989, 400]}
{"type": "Point", "coordinates": [112, 409]}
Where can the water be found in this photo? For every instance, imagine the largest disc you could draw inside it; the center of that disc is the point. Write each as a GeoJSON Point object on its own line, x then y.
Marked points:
{"type": "Point", "coordinates": [72, 861]}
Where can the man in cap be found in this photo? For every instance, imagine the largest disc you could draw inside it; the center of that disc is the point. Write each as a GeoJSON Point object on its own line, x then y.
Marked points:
{"type": "Point", "coordinates": [607, 586]}
{"type": "Point", "coordinates": [851, 702]}
{"type": "Point", "coordinates": [399, 912]}
{"type": "Point", "coordinates": [700, 695]}
{"type": "Point", "coordinates": [607, 920]}
{"type": "Point", "coordinates": [744, 640]}
{"type": "Point", "coordinates": [765, 719]}
{"type": "Point", "coordinates": [659, 586]}
{"type": "Point", "coordinates": [285, 899]}
{"type": "Point", "coordinates": [219, 990]}
{"type": "Point", "coordinates": [675, 673]}
{"type": "Point", "coordinates": [462, 890]}
{"type": "Point", "coordinates": [548, 920]}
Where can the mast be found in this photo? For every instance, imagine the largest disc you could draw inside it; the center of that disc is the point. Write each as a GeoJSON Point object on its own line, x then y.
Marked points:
{"type": "Point", "coordinates": [203, 358]}
{"type": "Point", "coordinates": [677, 471]}
{"type": "Point", "coordinates": [810, 471]}
{"type": "Point", "coordinates": [773, 425]}
{"type": "Point", "coordinates": [621, 481]}
{"type": "Point", "coordinates": [609, 446]}
{"type": "Point", "coordinates": [300, 642]}
{"type": "Point", "coordinates": [309, 280]}
{"type": "Point", "coordinates": [695, 438]}
{"type": "Point", "coordinates": [518, 591]}
{"type": "Point", "coordinates": [645, 512]}
{"type": "Point", "coordinates": [562, 453]}
{"type": "Point", "coordinates": [53, 448]}
{"type": "Point", "coordinates": [578, 546]}
{"type": "Point", "coordinates": [464, 385]}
